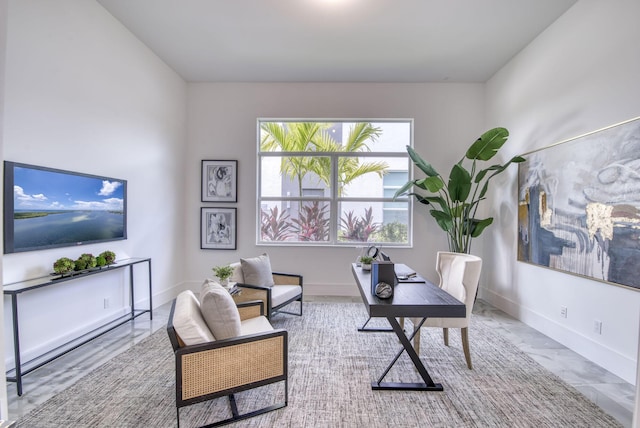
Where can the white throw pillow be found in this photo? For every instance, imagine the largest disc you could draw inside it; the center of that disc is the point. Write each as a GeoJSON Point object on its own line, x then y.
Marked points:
{"type": "Point", "coordinates": [257, 270]}
{"type": "Point", "coordinates": [188, 321]}
{"type": "Point", "coordinates": [219, 311]}
{"type": "Point", "coordinates": [237, 273]}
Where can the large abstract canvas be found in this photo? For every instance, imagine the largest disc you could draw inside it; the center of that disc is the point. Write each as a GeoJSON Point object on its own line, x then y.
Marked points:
{"type": "Point", "coordinates": [579, 205]}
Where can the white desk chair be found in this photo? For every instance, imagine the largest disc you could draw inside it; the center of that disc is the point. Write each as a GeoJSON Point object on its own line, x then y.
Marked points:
{"type": "Point", "coordinates": [459, 276]}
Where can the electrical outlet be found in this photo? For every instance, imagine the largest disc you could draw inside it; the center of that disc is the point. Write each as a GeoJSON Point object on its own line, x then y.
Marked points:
{"type": "Point", "coordinates": [106, 302]}
{"type": "Point", "coordinates": [597, 326]}
{"type": "Point", "coordinates": [563, 311]}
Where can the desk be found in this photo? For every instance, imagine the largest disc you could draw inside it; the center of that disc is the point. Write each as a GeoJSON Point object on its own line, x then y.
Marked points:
{"type": "Point", "coordinates": [17, 288]}
{"type": "Point", "coordinates": [417, 300]}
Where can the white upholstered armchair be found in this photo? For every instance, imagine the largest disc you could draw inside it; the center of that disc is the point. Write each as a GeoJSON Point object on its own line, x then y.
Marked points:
{"type": "Point", "coordinates": [459, 276]}
{"type": "Point", "coordinates": [257, 282]}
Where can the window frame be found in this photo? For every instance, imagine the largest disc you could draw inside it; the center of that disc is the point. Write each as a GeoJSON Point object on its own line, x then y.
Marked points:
{"type": "Point", "coordinates": [333, 200]}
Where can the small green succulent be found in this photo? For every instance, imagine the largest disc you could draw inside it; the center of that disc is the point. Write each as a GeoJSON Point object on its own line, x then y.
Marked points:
{"type": "Point", "coordinates": [86, 261]}
{"type": "Point", "coordinates": [366, 260]}
{"type": "Point", "coordinates": [109, 257]}
{"type": "Point", "coordinates": [63, 265]}
{"type": "Point", "coordinates": [81, 264]}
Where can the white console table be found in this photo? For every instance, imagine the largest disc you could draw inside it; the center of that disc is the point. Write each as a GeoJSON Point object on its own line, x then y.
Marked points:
{"type": "Point", "coordinates": [14, 290]}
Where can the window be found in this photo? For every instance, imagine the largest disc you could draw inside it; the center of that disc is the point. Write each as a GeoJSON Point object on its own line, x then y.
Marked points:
{"type": "Point", "coordinates": [332, 182]}
{"type": "Point", "coordinates": [394, 211]}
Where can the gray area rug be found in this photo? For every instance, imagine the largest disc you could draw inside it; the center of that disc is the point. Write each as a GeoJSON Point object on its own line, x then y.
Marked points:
{"type": "Point", "coordinates": [331, 366]}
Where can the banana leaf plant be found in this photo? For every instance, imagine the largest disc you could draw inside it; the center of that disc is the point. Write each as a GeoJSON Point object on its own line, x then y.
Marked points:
{"type": "Point", "coordinates": [454, 204]}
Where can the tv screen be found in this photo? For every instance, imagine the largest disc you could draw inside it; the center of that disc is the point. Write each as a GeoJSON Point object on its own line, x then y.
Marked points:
{"type": "Point", "coordinates": [48, 208]}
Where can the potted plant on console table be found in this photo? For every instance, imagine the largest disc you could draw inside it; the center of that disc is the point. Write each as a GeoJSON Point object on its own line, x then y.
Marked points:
{"type": "Point", "coordinates": [454, 205]}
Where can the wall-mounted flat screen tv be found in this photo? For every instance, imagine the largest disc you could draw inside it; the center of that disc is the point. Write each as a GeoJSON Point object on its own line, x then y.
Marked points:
{"type": "Point", "coordinates": [48, 208]}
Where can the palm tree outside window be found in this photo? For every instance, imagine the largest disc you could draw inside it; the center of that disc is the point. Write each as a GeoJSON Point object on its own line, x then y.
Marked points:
{"type": "Point", "coordinates": [332, 182]}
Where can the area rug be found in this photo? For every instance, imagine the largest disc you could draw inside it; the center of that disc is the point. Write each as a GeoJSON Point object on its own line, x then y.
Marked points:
{"type": "Point", "coordinates": [331, 366]}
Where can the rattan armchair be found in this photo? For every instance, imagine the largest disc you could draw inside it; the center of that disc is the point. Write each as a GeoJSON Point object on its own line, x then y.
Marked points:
{"type": "Point", "coordinates": [224, 367]}
{"type": "Point", "coordinates": [287, 288]}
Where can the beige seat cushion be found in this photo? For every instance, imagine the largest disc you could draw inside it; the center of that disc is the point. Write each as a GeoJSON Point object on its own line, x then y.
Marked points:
{"type": "Point", "coordinates": [188, 321]}
{"type": "Point", "coordinates": [219, 310]}
{"type": "Point", "coordinates": [282, 293]}
{"type": "Point", "coordinates": [257, 270]}
{"type": "Point", "coordinates": [255, 325]}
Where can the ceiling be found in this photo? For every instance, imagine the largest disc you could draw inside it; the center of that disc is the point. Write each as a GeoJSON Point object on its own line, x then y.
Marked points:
{"type": "Point", "coordinates": [336, 40]}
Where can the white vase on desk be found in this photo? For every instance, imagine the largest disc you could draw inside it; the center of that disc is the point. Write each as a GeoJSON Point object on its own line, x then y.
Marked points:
{"type": "Point", "coordinates": [366, 266]}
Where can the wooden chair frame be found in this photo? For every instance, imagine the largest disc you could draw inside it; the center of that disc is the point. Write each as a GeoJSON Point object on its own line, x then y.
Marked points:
{"type": "Point", "coordinates": [210, 370]}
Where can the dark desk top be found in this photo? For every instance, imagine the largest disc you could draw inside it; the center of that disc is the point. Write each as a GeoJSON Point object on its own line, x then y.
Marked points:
{"type": "Point", "coordinates": [422, 299]}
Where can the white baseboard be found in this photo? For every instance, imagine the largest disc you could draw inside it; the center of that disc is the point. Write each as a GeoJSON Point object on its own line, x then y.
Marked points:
{"type": "Point", "coordinates": [166, 296]}
{"type": "Point", "coordinates": [42, 348]}
{"type": "Point", "coordinates": [346, 290]}
{"type": "Point", "coordinates": [605, 357]}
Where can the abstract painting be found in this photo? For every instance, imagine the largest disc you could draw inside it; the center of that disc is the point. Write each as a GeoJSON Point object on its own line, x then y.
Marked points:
{"type": "Point", "coordinates": [579, 205]}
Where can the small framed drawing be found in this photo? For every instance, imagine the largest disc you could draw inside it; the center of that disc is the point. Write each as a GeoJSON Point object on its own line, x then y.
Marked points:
{"type": "Point", "coordinates": [218, 228]}
{"type": "Point", "coordinates": [219, 181]}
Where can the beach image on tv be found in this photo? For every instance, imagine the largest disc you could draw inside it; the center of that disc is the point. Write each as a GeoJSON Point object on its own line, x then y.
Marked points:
{"type": "Point", "coordinates": [54, 208]}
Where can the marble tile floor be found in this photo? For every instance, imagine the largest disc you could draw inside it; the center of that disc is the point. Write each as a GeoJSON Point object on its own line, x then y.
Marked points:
{"type": "Point", "coordinates": [612, 394]}
{"type": "Point", "coordinates": [52, 378]}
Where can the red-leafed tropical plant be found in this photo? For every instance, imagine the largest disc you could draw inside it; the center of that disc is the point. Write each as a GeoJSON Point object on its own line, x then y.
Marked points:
{"type": "Point", "coordinates": [312, 223]}
{"type": "Point", "coordinates": [356, 228]}
{"type": "Point", "coordinates": [275, 225]}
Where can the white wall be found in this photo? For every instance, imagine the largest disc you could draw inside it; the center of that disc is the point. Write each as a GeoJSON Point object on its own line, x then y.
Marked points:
{"type": "Point", "coordinates": [4, 414]}
{"type": "Point", "coordinates": [580, 75]}
{"type": "Point", "coordinates": [83, 94]}
{"type": "Point", "coordinates": [222, 125]}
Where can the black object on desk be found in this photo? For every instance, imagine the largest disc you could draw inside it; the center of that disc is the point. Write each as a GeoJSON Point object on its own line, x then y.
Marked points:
{"type": "Point", "coordinates": [382, 272]}
{"type": "Point", "coordinates": [419, 300]}
{"type": "Point", "coordinates": [405, 274]}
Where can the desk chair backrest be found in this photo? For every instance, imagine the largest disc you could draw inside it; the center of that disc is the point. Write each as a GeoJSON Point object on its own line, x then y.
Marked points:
{"type": "Point", "coordinates": [459, 276]}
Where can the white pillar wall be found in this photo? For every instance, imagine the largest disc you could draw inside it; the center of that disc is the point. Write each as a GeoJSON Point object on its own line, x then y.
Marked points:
{"type": "Point", "coordinates": [4, 413]}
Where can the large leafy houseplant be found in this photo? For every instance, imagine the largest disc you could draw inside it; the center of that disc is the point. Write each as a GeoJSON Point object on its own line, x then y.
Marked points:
{"type": "Point", "coordinates": [454, 204]}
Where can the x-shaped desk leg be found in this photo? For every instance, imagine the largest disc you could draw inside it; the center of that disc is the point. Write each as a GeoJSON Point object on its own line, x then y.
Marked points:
{"type": "Point", "coordinates": [375, 330]}
{"type": "Point", "coordinates": [428, 384]}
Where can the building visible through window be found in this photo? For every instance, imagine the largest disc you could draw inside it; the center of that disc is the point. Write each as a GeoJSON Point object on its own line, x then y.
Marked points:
{"type": "Point", "coordinates": [332, 182]}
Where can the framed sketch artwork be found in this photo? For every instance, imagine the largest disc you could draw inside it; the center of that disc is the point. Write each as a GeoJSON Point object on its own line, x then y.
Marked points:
{"type": "Point", "coordinates": [218, 228]}
{"type": "Point", "coordinates": [219, 181]}
{"type": "Point", "coordinates": [579, 206]}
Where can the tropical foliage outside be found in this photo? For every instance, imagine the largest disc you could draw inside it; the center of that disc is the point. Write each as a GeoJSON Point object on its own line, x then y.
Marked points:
{"type": "Point", "coordinates": [310, 153]}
